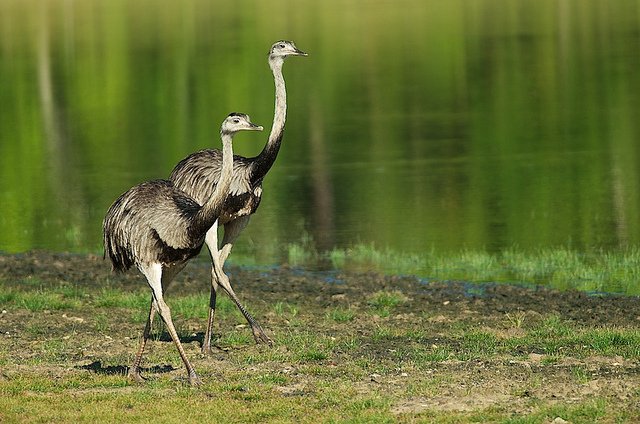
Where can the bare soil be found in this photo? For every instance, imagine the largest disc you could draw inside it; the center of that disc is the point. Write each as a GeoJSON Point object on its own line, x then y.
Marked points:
{"type": "Point", "coordinates": [432, 307]}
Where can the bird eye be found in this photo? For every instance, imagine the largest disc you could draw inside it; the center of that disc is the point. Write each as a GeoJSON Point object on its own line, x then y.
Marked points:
{"type": "Point", "coordinates": [236, 121]}
{"type": "Point", "coordinates": [282, 46]}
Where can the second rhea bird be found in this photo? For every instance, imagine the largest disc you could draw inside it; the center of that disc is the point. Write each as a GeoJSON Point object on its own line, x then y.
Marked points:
{"type": "Point", "coordinates": [198, 175]}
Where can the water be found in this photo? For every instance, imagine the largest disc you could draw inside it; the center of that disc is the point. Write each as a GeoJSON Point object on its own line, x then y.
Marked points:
{"type": "Point", "coordinates": [412, 125]}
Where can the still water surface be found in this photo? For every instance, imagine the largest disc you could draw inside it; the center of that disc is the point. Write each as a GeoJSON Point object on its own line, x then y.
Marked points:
{"type": "Point", "coordinates": [412, 125]}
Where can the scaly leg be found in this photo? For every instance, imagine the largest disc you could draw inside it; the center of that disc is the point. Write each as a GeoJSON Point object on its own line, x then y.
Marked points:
{"type": "Point", "coordinates": [231, 232]}
{"type": "Point", "coordinates": [258, 333]}
{"type": "Point", "coordinates": [218, 278]}
{"type": "Point", "coordinates": [211, 239]}
{"type": "Point", "coordinates": [153, 273]}
{"type": "Point", "coordinates": [134, 371]}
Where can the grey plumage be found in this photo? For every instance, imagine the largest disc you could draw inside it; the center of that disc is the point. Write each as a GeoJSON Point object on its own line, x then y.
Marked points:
{"type": "Point", "coordinates": [199, 173]}
{"type": "Point", "coordinates": [151, 222]}
{"type": "Point", "coordinates": [157, 227]}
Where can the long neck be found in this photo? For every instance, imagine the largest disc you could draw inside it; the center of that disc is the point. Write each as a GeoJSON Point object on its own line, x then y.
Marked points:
{"type": "Point", "coordinates": [210, 211]}
{"type": "Point", "coordinates": [267, 157]}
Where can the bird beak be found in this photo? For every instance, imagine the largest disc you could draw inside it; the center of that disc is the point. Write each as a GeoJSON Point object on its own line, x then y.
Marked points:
{"type": "Point", "coordinates": [299, 52]}
{"type": "Point", "coordinates": [255, 127]}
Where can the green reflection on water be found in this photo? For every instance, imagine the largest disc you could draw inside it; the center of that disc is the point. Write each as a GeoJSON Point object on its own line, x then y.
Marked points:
{"type": "Point", "coordinates": [414, 125]}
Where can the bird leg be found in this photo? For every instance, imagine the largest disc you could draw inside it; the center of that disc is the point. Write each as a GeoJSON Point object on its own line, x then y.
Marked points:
{"type": "Point", "coordinates": [206, 342]}
{"type": "Point", "coordinates": [134, 371]}
{"type": "Point", "coordinates": [165, 313]}
{"type": "Point", "coordinates": [258, 333]}
{"type": "Point", "coordinates": [154, 277]}
{"type": "Point", "coordinates": [211, 239]}
{"type": "Point", "coordinates": [218, 277]}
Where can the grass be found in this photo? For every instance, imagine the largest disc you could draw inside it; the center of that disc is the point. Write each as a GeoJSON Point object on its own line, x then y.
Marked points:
{"type": "Point", "coordinates": [340, 314]}
{"type": "Point", "coordinates": [308, 375]}
{"type": "Point", "coordinates": [378, 356]}
{"type": "Point", "coordinates": [37, 299]}
{"type": "Point", "coordinates": [559, 268]}
{"type": "Point", "coordinates": [382, 303]}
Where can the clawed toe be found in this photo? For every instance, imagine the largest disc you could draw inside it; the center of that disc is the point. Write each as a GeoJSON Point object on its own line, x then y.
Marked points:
{"type": "Point", "coordinates": [261, 337]}
{"type": "Point", "coordinates": [194, 380]}
{"type": "Point", "coordinates": [136, 377]}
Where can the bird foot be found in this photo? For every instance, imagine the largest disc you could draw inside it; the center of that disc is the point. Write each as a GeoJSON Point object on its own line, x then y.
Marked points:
{"type": "Point", "coordinates": [260, 337]}
{"type": "Point", "coordinates": [134, 375]}
{"type": "Point", "coordinates": [194, 380]}
{"type": "Point", "coordinates": [211, 351]}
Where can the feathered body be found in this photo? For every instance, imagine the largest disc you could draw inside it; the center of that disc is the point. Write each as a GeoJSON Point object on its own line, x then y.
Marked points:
{"type": "Point", "coordinates": [152, 222]}
{"type": "Point", "coordinates": [198, 174]}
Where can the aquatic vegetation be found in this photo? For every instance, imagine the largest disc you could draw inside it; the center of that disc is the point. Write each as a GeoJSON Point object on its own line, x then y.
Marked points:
{"type": "Point", "coordinates": [559, 268]}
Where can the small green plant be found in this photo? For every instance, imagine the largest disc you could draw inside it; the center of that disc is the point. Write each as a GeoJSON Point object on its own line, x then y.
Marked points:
{"type": "Point", "coordinates": [71, 291]}
{"type": "Point", "coordinates": [437, 354]}
{"type": "Point", "coordinates": [550, 360]}
{"type": "Point", "coordinates": [341, 314]}
{"type": "Point", "coordinates": [478, 344]}
{"type": "Point", "coordinates": [554, 326]}
{"type": "Point", "coordinates": [272, 378]}
{"type": "Point", "coordinates": [338, 258]}
{"type": "Point", "coordinates": [193, 306]}
{"type": "Point", "coordinates": [101, 322]}
{"type": "Point", "coordinates": [422, 357]}
{"type": "Point", "coordinates": [383, 302]}
{"type": "Point", "coordinates": [42, 300]}
{"type": "Point", "coordinates": [303, 252]}
{"type": "Point", "coordinates": [115, 298]}
{"type": "Point", "coordinates": [313, 354]}
{"type": "Point", "coordinates": [297, 255]}
{"type": "Point", "coordinates": [581, 374]}
{"type": "Point", "coordinates": [381, 333]}
{"type": "Point", "coordinates": [516, 319]}
{"type": "Point", "coordinates": [236, 338]}
{"type": "Point", "coordinates": [7, 296]}
{"type": "Point", "coordinates": [350, 344]}
{"type": "Point", "coordinates": [285, 310]}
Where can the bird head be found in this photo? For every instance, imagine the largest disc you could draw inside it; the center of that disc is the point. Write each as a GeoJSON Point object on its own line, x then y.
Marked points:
{"type": "Point", "coordinates": [283, 49]}
{"type": "Point", "coordinates": [238, 122]}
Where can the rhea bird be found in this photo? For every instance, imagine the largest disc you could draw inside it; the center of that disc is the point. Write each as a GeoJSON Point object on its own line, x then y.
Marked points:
{"type": "Point", "coordinates": [199, 175]}
{"type": "Point", "coordinates": [158, 228]}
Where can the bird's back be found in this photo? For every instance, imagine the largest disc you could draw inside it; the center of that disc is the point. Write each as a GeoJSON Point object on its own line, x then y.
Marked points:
{"type": "Point", "coordinates": [150, 223]}
{"type": "Point", "coordinates": [198, 174]}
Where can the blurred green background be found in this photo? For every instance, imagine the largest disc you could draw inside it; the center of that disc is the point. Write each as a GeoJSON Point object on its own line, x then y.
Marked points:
{"type": "Point", "coordinates": [412, 125]}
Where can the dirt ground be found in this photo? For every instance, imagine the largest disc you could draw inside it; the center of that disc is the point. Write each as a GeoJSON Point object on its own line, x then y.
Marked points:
{"type": "Point", "coordinates": [435, 306]}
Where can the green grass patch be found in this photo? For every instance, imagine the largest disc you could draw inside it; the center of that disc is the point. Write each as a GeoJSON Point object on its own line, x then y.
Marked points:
{"type": "Point", "coordinates": [340, 314]}
{"type": "Point", "coordinates": [552, 337]}
{"type": "Point", "coordinates": [612, 342]}
{"type": "Point", "coordinates": [235, 338]}
{"type": "Point", "coordinates": [561, 268]}
{"type": "Point", "coordinates": [116, 298]}
{"type": "Point", "coordinates": [34, 297]}
{"type": "Point", "coordinates": [40, 300]}
{"type": "Point", "coordinates": [283, 309]}
{"type": "Point", "coordinates": [383, 302]}
{"type": "Point", "coordinates": [479, 345]}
